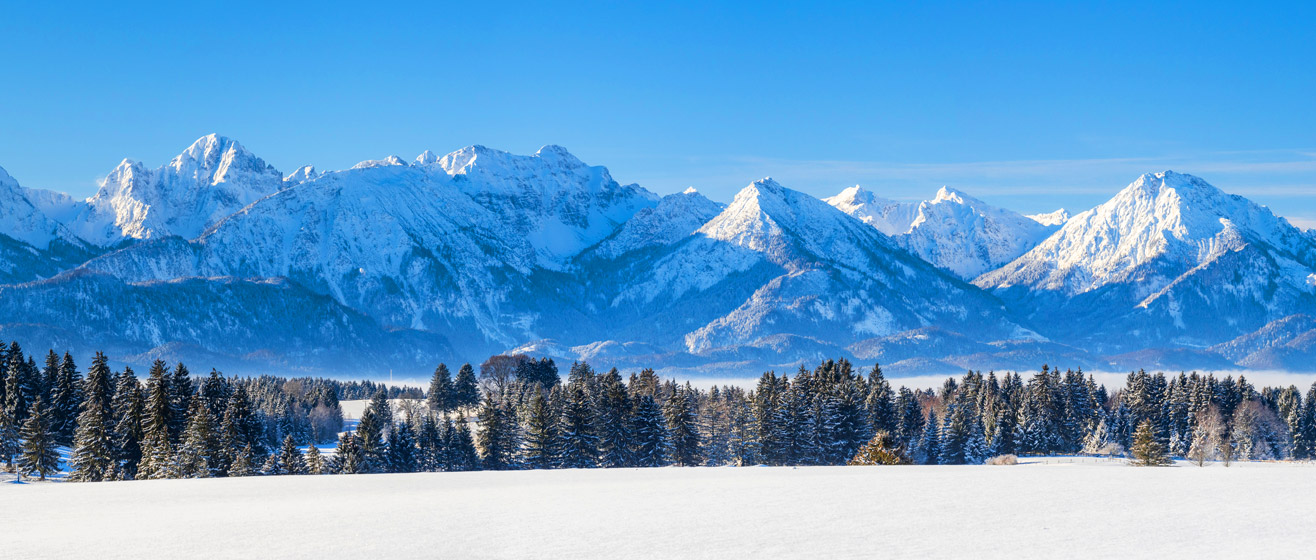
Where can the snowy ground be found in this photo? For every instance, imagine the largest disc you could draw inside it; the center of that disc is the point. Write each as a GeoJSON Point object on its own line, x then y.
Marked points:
{"type": "Point", "coordinates": [1056, 507]}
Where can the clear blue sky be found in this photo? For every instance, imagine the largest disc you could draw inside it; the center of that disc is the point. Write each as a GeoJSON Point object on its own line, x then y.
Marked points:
{"type": "Point", "coordinates": [1031, 106]}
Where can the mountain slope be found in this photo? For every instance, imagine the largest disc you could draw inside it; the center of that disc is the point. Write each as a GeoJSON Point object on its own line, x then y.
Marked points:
{"type": "Point", "coordinates": [1163, 260]}
{"type": "Point", "coordinates": [888, 216]}
{"type": "Point", "coordinates": [969, 237]}
{"type": "Point", "coordinates": [211, 179]}
{"type": "Point", "coordinates": [32, 244]}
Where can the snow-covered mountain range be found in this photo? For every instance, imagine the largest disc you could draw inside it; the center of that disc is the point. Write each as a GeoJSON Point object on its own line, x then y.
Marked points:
{"type": "Point", "coordinates": [395, 265]}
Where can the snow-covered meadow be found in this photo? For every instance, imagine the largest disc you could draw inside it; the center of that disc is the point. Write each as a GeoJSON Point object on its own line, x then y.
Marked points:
{"type": "Point", "coordinates": [1057, 507]}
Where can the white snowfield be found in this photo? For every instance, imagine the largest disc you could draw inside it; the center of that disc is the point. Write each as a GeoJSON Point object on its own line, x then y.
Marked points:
{"type": "Point", "coordinates": [1090, 509]}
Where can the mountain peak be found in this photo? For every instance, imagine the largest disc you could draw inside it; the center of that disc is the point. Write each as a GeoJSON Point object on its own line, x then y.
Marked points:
{"type": "Point", "coordinates": [688, 190]}
{"type": "Point", "coordinates": [553, 151]}
{"type": "Point", "coordinates": [426, 158]}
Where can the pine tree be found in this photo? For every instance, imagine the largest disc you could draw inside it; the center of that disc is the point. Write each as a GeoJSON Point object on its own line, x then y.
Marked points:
{"type": "Point", "coordinates": [291, 459]}
{"type": "Point", "coordinates": [683, 433]}
{"type": "Point", "coordinates": [158, 460]}
{"type": "Point", "coordinates": [538, 447]}
{"type": "Point", "coordinates": [129, 407]}
{"type": "Point", "coordinates": [370, 435]}
{"type": "Point", "coordinates": [463, 456]}
{"type": "Point", "coordinates": [466, 391]}
{"type": "Point", "coordinates": [67, 397]}
{"type": "Point", "coordinates": [180, 401]}
{"type": "Point", "coordinates": [612, 421]}
{"type": "Point", "coordinates": [880, 402]}
{"type": "Point", "coordinates": [650, 434]}
{"type": "Point", "coordinates": [38, 454]}
{"type": "Point", "coordinates": [242, 463]}
{"type": "Point", "coordinates": [430, 441]}
{"type": "Point", "coordinates": [929, 445]}
{"type": "Point", "coordinates": [199, 454]}
{"type": "Point", "coordinates": [93, 449]}
{"type": "Point", "coordinates": [1147, 449]}
{"type": "Point", "coordinates": [493, 436]}
{"type": "Point", "coordinates": [579, 442]}
{"type": "Point", "coordinates": [441, 397]}
{"type": "Point", "coordinates": [402, 449]}
{"type": "Point", "coordinates": [348, 458]}
{"type": "Point", "coordinates": [10, 418]}
{"type": "Point", "coordinates": [314, 461]}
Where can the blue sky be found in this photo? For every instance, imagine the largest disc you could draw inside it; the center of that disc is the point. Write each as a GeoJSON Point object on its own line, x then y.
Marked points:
{"type": "Point", "coordinates": [1031, 106]}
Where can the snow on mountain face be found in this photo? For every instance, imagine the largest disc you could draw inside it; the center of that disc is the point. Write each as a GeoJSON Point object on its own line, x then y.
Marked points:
{"type": "Point", "coordinates": [211, 179]}
{"type": "Point", "coordinates": [889, 217]}
{"type": "Point", "coordinates": [551, 198]}
{"type": "Point", "coordinates": [396, 242]}
{"type": "Point", "coordinates": [969, 237]}
{"type": "Point", "coordinates": [1170, 259]}
{"type": "Point", "coordinates": [20, 219]}
{"type": "Point", "coordinates": [1056, 218]}
{"type": "Point", "coordinates": [301, 175]}
{"type": "Point", "coordinates": [1169, 217]}
{"type": "Point", "coordinates": [676, 217]}
{"type": "Point", "coordinates": [776, 261]}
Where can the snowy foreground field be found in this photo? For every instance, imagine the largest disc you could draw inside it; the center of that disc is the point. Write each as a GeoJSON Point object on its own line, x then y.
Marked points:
{"type": "Point", "coordinates": [1060, 509]}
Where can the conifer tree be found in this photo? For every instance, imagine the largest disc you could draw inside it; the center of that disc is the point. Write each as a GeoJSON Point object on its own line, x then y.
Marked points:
{"type": "Point", "coordinates": [93, 450]}
{"type": "Point", "coordinates": [199, 454]}
{"type": "Point", "coordinates": [1147, 449]}
{"type": "Point", "coordinates": [429, 440]}
{"type": "Point", "coordinates": [612, 422]}
{"type": "Point", "coordinates": [14, 411]}
{"type": "Point", "coordinates": [929, 445]}
{"type": "Point", "coordinates": [129, 408]}
{"type": "Point", "coordinates": [242, 463]}
{"type": "Point", "coordinates": [462, 448]}
{"type": "Point", "coordinates": [402, 449]}
{"type": "Point", "coordinates": [66, 398]}
{"type": "Point", "coordinates": [441, 397]}
{"type": "Point", "coordinates": [683, 433]}
{"type": "Point", "coordinates": [38, 456]}
{"type": "Point", "coordinates": [348, 458]}
{"type": "Point", "coordinates": [493, 436]}
{"type": "Point", "coordinates": [314, 461]}
{"type": "Point", "coordinates": [650, 434]}
{"type": "Point", "coordinates": [466, 391]}
{"type": "Point", "coordinates": [158, 460]}
{"type": "Point", "coordinates": [538, 447]}
{"type": "Point", "coordinates": [180, 401]}
{"type": "Point", "coordinates": [370, 437]}
{"type": "Point", "coordinates": [883, 449]}
{"type": "Point", "coordinates": [579, 442]}
{"type": "Point", "coordinates": [291, 459]}
{"type": "Point", "coordinates": [881, 403]}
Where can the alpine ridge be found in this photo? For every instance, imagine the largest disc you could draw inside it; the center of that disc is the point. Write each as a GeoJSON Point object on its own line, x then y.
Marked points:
{"type": "Point", "coordinates": [398, 264]}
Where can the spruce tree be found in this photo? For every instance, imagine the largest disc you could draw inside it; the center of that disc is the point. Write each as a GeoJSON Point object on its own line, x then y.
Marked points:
{"type": "Point", "coordinates": [402, 449]}
{"type": "Point", "coordinates": [441, 397]}
{"type": "Point", "coordinates": [348, 458]}
{"type": "Point", "coordinates": [9, 437]}
{"type": "Point", "coordinates": [67, 397]}
{"type": "Point", "coordinates": [242, 464]}
{"type": "Point", "coordinates": [129, 407]}
{"type": "Point", "coordinates": [682, 430]}
{"type": "Point", "coordinates": [15, 410]}
{"type": "Point", "coordinates": [314, 461]}
{"type": "Point", "coordinates": [291, 459]}
{"type": "Point", "coordinates": [199, 454]}
{"type": "Point", "coordinates": [180, 401]}
{"type": "Point", "coordinates": [1147, 449]}
{"type": "Point", "coordinates": [462, 448]}
{"type": "Point", "coordinates": [38, 456]}
{"type": "Point", "coordinates": [493, 435]}
{"type": "Point", "coordinates": [466, 391]}
{"type": "Point", "coordinates": [880, 402]}
{"type": "Point", "coordinates": [158, 458]}
{"type": "Point", "coordinates": [579, 442]}
{"type": "Point", "coordinates": [93, 449]}
{"type": "Point", "coordinates": [429, 440]}
{"type": "Point", "coordinates": [538, 447]}
{"type": "Point", "coordinates": [883, 449]}
{"type": "Point", "coordinates": [650, 434]}
{"type": "Point", "coordinates": [929, 445]}
{"type": "Point", "coordinates": [612, 421]}
{"type": "Point", "coordinates": [370, 437]}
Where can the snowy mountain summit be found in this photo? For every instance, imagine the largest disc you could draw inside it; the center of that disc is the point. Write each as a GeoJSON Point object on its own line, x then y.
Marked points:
{"type": "Point", "coordinates": [398, 264]}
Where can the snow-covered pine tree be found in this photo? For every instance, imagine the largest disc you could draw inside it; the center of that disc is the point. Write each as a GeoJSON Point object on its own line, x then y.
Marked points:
{"type": "Point", "coordinates": [682, 430]}
{"type": "Point", "coordinates": [441, 397]}
{"type": "Point", "coordinates": [881, 450]}
{"type": "Point", "coordinates": [429, 443]}
{"type": "Point", "coordinates": [1147, 449]}
{"type": "Point", "coordinates": [348, 458]}
{"type": "Point", "coordinates": [180, 400]}
{"type": "Point", "coordinates": [928, 451]}
{"type": "Point", "coordinates": [493, 434]}
{"type": "Point", "coordinates": [243, 463]}
{"type": "Point", "coordinates": [38, 455]}
{"type": "Point", "coordinates": [315, 461]}
{"type": "Point", "coordinates": [93, 449]}
{"type": "Point", "coordinates": [129, 408]}
{"type": "Point", "coordinates": [976, 448]}
{"type": "Point", "coordinates": [158, 453]}
{"type": "Point", "coordinates": [881, 403]}
{"type": "Point", "coordinates": [538, 447]}
{"type": "Point", "coordinates": [67, 397]}
{"type": "Point", "coordinates": [199, 452]}
{"type": "Point", "coordinates": [612, 422]}
{"type": "Point", "coordinates": [290, 458]}
{"type": "Point", "coordinates": [370, 437]}
{"type": "Point", "coordinates": [401, 449]}
{"type": "Point", "coordinates": [579, 442]}
{"type": "Point", "coordinates": [649, 433]}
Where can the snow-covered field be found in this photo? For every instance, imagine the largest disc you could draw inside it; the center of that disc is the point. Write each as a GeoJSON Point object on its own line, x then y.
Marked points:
{"type": "Point", "coordinates": [1062, 508]}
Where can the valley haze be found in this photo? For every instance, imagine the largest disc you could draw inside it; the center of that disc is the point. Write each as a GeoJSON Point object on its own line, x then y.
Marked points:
{"type": "Point", "coordinates": [395, 265]}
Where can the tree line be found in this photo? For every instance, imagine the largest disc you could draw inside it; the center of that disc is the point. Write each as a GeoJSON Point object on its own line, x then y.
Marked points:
{"type": "Point", "coordinates": [519, 413]}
